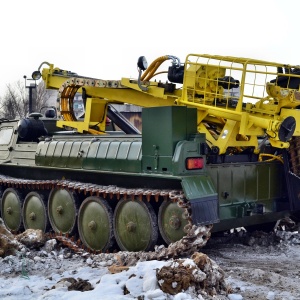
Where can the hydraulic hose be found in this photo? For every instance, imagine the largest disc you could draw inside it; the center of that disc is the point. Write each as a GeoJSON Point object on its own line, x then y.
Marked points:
{"type": "Point", "coordinates": [154, 66]}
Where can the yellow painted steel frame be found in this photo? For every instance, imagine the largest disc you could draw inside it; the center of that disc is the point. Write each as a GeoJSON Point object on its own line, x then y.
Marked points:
{"type": "Point", "coordinates": [229, 119]}
{"type": "Point", "coordinates": [104, 92]}
{"type": "Point", "coordinates": [236, 120]}
{"type": "Point", "coordinates": [94, 118]}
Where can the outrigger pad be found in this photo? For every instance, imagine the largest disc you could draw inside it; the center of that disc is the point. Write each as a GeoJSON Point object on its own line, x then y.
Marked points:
{"type": "Point", "coordinates": [205, 210]}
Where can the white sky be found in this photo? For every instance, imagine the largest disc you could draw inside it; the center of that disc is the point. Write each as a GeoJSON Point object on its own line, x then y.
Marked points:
{"type": "Point", "coordinates": [104, 39]}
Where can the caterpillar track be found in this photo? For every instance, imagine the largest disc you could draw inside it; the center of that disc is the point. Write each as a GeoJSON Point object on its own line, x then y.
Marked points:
{"type": "Point", "coordinates": [294, 154]}
{"type": "Point", "coordinates": [195, 236]}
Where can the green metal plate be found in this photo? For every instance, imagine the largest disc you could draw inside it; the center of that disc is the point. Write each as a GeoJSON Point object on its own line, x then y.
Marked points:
{"type": "Point", "coordinates": [199, 186]}
{"type": "Point", "coordinates": [95, 223]}
{"type": "Point", "coordinates": [135, 225]}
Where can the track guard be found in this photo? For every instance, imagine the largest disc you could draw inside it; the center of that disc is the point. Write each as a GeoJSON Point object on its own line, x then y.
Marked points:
{"type": "Point", "coordinates": [199, 190]}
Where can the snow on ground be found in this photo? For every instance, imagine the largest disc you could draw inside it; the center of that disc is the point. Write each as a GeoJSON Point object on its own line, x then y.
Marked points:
{"type": "Point", "coordinates": [263, 268]}
{"type": "Point", "coordinates": [140, 282]}
{"type": "Point", "coordinates": [33, 267]}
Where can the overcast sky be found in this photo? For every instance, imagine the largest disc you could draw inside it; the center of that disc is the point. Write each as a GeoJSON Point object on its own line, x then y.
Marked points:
{"type": "Point", "coordinates": [104, 39]}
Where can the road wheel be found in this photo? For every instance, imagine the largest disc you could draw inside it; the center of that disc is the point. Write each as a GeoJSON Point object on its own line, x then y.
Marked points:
{"type": "Point", "coordinates": [35, 212]}
{"type": "Point", "coordinates": [62, 211]}
{"type": "Point", "coordinates": [171, 222]}
{"type": "Point", "coordinates": [11, 207]}
{"type": "Point", "coordinates": [135, 225]}
{"type": "Point", "coordinates": [95, 224]}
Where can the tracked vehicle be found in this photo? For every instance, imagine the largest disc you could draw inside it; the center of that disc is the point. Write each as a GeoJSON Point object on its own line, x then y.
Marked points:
{"type": "Point", "coordinates": [219, 146]}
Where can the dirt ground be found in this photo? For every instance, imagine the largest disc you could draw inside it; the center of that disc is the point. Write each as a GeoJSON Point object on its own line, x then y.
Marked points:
{"type": "Point", "coordinates": [260, 266]}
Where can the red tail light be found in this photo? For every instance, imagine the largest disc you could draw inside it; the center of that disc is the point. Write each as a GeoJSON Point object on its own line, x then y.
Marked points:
{"type": "Point", "coordinates": [194, 163]}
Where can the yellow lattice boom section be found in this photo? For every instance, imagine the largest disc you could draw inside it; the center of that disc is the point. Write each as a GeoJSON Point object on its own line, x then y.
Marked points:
{"type": "Point", "coordinates": [240, 99]}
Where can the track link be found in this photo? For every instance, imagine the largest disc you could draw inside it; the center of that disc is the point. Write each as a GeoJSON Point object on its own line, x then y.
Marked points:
{"type": "Point", "coordinates": [196, 236]}
{"type": "Point", "coordinates": [294, 152]}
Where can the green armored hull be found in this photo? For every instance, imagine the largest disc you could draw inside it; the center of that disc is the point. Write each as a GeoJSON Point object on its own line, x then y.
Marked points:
{"type": "Point", "coordinates": [137, 190]}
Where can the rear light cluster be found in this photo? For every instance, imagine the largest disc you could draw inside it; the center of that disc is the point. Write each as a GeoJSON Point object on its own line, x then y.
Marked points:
{"type": "Point", "coordinates": [194, 163]}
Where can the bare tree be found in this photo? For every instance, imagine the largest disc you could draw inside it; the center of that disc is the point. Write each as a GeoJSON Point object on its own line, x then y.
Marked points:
{"type": "Point", "coordinates": [15, 103]}
{"type": "Point", "coordinates": [42, 96]}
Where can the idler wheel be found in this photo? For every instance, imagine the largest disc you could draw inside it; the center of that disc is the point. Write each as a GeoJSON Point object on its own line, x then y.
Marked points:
{"type": "Point", "coordinates": [135, 225]}
{"type": "Point", "coordinates": [171, 221]}
{"type": "Point", "coordinates": [35, 212]}
{"type": "Point", "coordinates": [95, 224]}
{"type": "Point", "coordinates": [62, 211]}
{"type": "Point", "coordinates": [11, 207]}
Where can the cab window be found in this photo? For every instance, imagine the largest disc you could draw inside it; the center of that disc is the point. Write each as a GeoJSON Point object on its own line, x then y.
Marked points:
{"type": "Point", "coordinates": [5, 135]}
